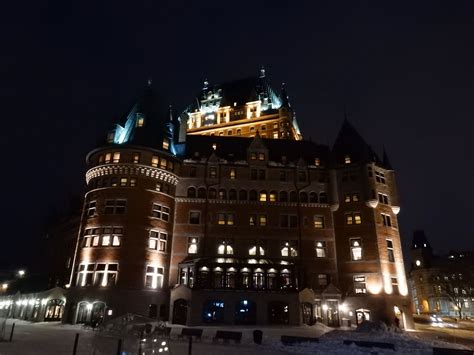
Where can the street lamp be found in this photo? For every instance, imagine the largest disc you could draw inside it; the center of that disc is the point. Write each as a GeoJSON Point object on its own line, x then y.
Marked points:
{"type": "Point", "coordinates": [21, 273]}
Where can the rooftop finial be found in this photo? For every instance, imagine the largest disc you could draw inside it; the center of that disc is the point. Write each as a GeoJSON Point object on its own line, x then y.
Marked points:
{"type": "Point", "coordinates": [262, 72]}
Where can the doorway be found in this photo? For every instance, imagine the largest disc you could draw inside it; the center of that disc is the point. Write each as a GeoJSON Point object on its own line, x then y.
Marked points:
{"type": "Point", "coordinates": [180, 311]}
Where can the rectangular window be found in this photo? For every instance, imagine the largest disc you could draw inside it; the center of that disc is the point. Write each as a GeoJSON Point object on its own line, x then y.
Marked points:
{"type": "Point", "coordinates": [359, 284]}
{"type": "Point", "coordinates": [166, 144]}
{"type": "Point", "coordinates": [108, 158]}
{"type": "Point", "coordinates": [123, 181]}
{"type": "Point", "coordinates": [322, 280]}
{"type": "Point", "coordinates": [253, 174]}
{"type": "Point", "coordinates": [157, 241]}
{"type": "Point", "coordinates": [226, 219]}
{"type": "Point", "coordinates": [116, 157]}
{"type": "Point", "coordinates": [321, 249]}
{"type": "Point", "coordinates": [115, 206]}
{"type": "Point", "coordinates": [390, 253]}
{"type": "Point", "coordinates": [193, 243]}
{"type": "Point", "coordinates": [224, 247]}
{"type": "Point", "coordinates": [301, 176]}
{"type": "Point", "coordinates": [163, 163]}
{"type": "Point", "coordinates": [212, 172]}
{"type": "Point", "coordinates": [353, 218]}
{"type": "Point", "coordinates": [282, 175]}
{"type": "Point", "coordinates": [356, 249]}
{"type": "Point", "coordinates": [136, 158]}
{"type": "Point", "coordinates": [252, 220]}
{"type": "Point", "coordinates": [194, 217]}
{"type": "Point", "coordinates": [221, 218]}
{"type": "Point", "coordinates": [154, 277]}
{"type": "Point", "coordinates": [192, 171]}
{"type": "Point", "coordinates": [155, 161]}
{"type": "Point", "coordinates": [262, 220]}
{"type": "Point", "coordinates": [114, 182]}
{"type": "Point", "coordinates": [383, 198]}
{"type": "Point", "coordinates": [357, 218]}
{"type": "Point", "coordinates": [387, 221]}
{"type": "Point", "coordinates": [379, 177]}
{"type": "Point", "coordinates": [318, 222]}
{"type": "Point", "coordinates": [263, 197]}
{"type": "Point", "coordinates": [261, 175]}
{"type": "Point", "coordinates": [261, 156]}
{"type": "Point", "coordinates": [133, 182]}
{"type": "Point", "coordinates": [288, 221]}
{"type": "Point", "coordinates": [91, 208]}
{"type": "Point", "coordinates": [232, 174]}
{"type": "Point", "coordinates": [395, 290]}
{"type": "Point", "coordinates": [289, 248]}
{"type": "Point", "coordinates": [272, 197]}
{"type": "Point", "coordinates": [160, 212]}
{"type": "Point", "coordinates": [317, 161]}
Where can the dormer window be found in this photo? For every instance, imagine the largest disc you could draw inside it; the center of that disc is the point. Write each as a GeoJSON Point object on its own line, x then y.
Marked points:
{"type": "Point", "coordinates": [166, 143]}
{"type": "Point", "coordinates": [347, 159]}
{"type": "Point", "coordinates": [110, 137]}
{"type": "Point", "coordinates": [261, 156]}
{"type": "Point", "coordinates": [140, 121]}
{"type": "Point", "coordinates": [317, 161]}
{"type": "Point", "coordinates": [253, 156]}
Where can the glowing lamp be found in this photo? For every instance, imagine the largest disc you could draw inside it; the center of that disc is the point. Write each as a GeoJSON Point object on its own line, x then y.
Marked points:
{"type": "Point", "coordinates": [325, 307]}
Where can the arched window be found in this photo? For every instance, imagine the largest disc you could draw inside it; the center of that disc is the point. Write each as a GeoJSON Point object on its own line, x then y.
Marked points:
{"type": "Point", "coordinates": [222, 194]}
{"type": "Point", "coordinates": [201, 192]}
{"type": "Point", "coordinates": [313, 197]}
{"type": "Point", "coordinates": [293, 196]}
{"type": "Point", "coordinates": [232, 194]}
{"type": "Point", "coordinates": [323, 197]}
{"type": "Point", "coordinates": [191, 192]}
{"type": "Point", "coordinates": [253, 195]}
{"type": "Point", "coordinates": [263, 196]}
{"type": "Point", "coordinates": [212, 193]}
{"type": "Point", "coordinates": [283, 196]}
{"type": "Point", "coordinates": [242, 195]}
{"type": "Point", "coordinates": [272, 197]}
{"type": "Point", "coordinates": [303, 197]}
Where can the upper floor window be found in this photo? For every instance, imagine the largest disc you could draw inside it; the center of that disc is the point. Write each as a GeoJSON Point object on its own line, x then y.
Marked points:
{"type": "Point", "coordinates": [360, 284]}
{"type": "Point", "coordinates": [212, 172]}
{"type": "Point", "coordinates": [263, 196]}
{"type": "Point", "coordinates": [106, 274]}
{"type": "Point", "coordinates": [394, 280]}
{"type": "Point", "coordinates": [282, 175]}
{"type": "Point", "coordinates": [253, 156]}
{"type": "Point", "coordinates": [356, 249]}
{"type": "Point", "coordinates": [116, 157]}
{"type": "Point", "coordinates": [321, 249]}
{"type": "Point", "coordinates": [192, 171]}
{"type": "Point", "coordinates": [379, 176]}
{"type": "Point", "coordinates": [317, 161]}
{"type": "Point", "coordinates": [166, 143]}
{"type": "Point", "coordinates": [383, 198]}
{"type": "Point", "coordinates": [390, 253]}
{"type": "Point", "coordinates": [289, 248]}
{"type": "Point", "coordinates": [136, 158]}
{"type": "Point", "coordinates": [318, 222]}
{"type": "Point", "coordinates": [256, 250]}
{"type": "Point", "coordinates": [226, 219]}
{"type": "Point", "coordinates": [108, 158]}
{"type": "Point", "coordinates": [160, 212]}
{"type": "Point", "coordinates": [288, 221]}
{"type": "Point", "coordinates": [157, 241]}
{"type": "Point", "coordinates": [261, 156]}
{"type": "Point", "coordinates": [387, 221]}
{"type": "Point", "coordinates": [224, 247]}
{"type": "Point", "coordinates": [115, 206]}
{"type": "Point", "coordinates": [347, 159]}
{"type": "Point", "coordinates": [272, 197]}
{"type": "Point", "coordinates": [140, 121]}
{"type": "Point", "coordinates": [91, 208]}
{"type": "Point", "coordinates": [191, 192]}
{"type": "Point", "coordinates": [154, 277]}
{"type": "Point", "coordinates": [351, 197]}
{"type": "Point", "coordinates": [194, 217]}
{"type": "Point", "coordinates": [353, 218]}
{"type": "Point", "coordinates": [232, 174]}
{"type": "Point", "coordinates": [301, 176]}
{"type": "Point", "coordinates": [155, 160]}
{"type": "Point", "coordinates": [193, 243]}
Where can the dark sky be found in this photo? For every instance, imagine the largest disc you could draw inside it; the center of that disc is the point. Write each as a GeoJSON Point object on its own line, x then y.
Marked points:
{"type": "Point", "coordinates": [405, 71]}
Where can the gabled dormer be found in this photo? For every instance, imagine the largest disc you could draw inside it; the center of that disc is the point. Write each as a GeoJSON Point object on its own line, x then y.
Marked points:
{"type": "Point", "coordinates": [257, 152]}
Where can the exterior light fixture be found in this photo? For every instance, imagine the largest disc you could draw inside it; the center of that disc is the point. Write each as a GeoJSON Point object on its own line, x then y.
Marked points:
{"type": "Point", "coordinates": [4, 286]}
{"type": "Point", "coordinates": [21, 273]}
{"type": "Point", "coordinates": [418, 263]}
{"type": "Point", "coordinates": [325, 307]}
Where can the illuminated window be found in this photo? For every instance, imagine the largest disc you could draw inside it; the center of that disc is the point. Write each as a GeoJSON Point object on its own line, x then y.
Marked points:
{"type": "Point", "coordinates": [356, 249]}
{"type": "Point", "coordinates": [318, 222]}
{"type": "Point", "coordinates": [108, 158]}
{"type": "Point", "coordinates": [347, 159]}
{"type": "Point", "coordinates": [353, 218]}
{"type": "Point", "coordinates": [263, 196]}
{"type": "Point", "coordinates": [262, 220]}
{"type": "Point", "coordinates": [351, 197]}
{"type": "Point", "coordinates": [239, 132]}
{"type": "Point", "coordinates": [160, 212]}
{"type": "Point", "coordinates": [155, 160]}
{"type": "Point", "coordinates": [116, 157]}
{"type": "Point", "coordinates": [320, 249]}
{"type": "Point", "coordinates": [123, 181]}
{"type": "Point", "coordinates": [387, 221]}
{"type": "Point", "coordinates": [359, 284]}
{"type": "Point", "coordinates": [226, 219]}
{"type": "Point", "coordinates": [222, 194]}
{"type": "Point", "coordinates": [157, 241]}
{"type": "Point", "coordinates": [166, 143]}
{"type": "Point", "coordinates": [261, 156]}
{"type": "Point", "coordinates": [105, 274]}
{"type": "Point", "coordinates": [101, 159]}
{"type": "Point", "coordinates": [193, 245]}
{"type": "Point", "coordinates": [194, 217]}
{"type": "Point", "coordinates": [272, 197]}
{"type": "Point", "coordinates": [85, 274]}
{"type": "Point", "coordinates": [221, 218]}
{"type": "Point", "coordinates": [317, 161]}
{"type": "Point", "coordinates": [275, 135]}
{"type": "Point", "coordinates": [225, 248]}
{"type": "Point", "coordinates": [115, 206]}
{"type": "Point", "coordinates": [289, 248]}
{"type": "Point", "coordinates": [256, 250]}
{"type": "Point", "coordinates": [355, 197]}
{"type": "Point", "coordinates": [154, 277]}
{"type": "Point", "coordinates": [357, 218]}
{"type": "Point", "coordinates": [212, 172]}
{"type": "Point", "coordinates": [390, 253]}
{"type": "Point", "coordinates": [91, 208]}
{"type": "Point", "coordinates": [163, 163]}
{"type": "Point", "coordinates": [322, 280]}
{"type": "Point", "coordinates": [232, 174]}
{"type": "Point", "coordinates": [133, 182]}
{"type": "Point", "coordinates": [383, 198]}
{"type": "Point", "coordinates": [253, 156]}
{"type": "Point", "coordinates": [347, 197]}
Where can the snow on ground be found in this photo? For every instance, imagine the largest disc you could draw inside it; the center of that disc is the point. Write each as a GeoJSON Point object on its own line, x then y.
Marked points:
{"type": "Point", "coordinates": [55, 338]}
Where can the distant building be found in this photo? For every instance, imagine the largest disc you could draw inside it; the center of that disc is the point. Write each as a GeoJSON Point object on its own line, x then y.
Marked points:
{"type": "Point", "coordinates": [227, 216]}
{"type": "Point", "coordinates": [441, 284]}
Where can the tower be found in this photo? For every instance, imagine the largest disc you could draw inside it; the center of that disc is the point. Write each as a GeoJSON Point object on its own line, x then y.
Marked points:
{"type": "Point", "coordinates": [121, 262]}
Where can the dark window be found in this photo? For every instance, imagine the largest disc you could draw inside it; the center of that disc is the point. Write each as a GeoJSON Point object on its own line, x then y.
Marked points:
{"type": "Point", "coordinates": [313, 197]}
{"type": "Point", "coordinates": [283, 196]}
{"type": "Point", "coordinates": [212, 193]}
{"type": "Point", "coordinates": [232, 194]}
{"type": "Point", "coordinates": [282, 175]}
{"type": "Point", "coordinates": [323, 197]}
{"type": "Point", "coordinates": [194, 217]}
{"type": "Point", "coordinates": [242, 195]}
{"type": "Point", "coordinates": [192, 171]}
{"type": "Point", "coordinates": [253, 195]}
{"type": "Point", "coordinates": [201, 192]}
{"type": "Point", "coordinates": [191, 192]}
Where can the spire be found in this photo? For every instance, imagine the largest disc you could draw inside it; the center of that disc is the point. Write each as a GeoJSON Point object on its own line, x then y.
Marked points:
{"type": "Point", "coordinates": [385, 160]}
{"type": "Point", "coordinates": [262, 72]}
{"type": "Point", "coordinates": [285, 100]}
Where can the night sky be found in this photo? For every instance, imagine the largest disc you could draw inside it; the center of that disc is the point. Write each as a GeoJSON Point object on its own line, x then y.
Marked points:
{"type": "Point", "coordinates": [404, 70]}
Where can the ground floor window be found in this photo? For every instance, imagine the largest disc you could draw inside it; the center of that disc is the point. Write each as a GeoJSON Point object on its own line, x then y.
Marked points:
{"type": "Point", "coordinates": [54, 310]}
{"type": "Point", "coordinates": [90, 313]}
{"type": "Point", "coordinates": [213, 311]}
{"type": "Point", "coordinates": [362, 315]}
{"type": "Point", "coordinates": [245, 313]}
{"type": "Point", "coordinates": [278, 313]}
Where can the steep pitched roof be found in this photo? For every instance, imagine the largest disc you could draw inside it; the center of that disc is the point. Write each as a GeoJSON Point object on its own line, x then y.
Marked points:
{"type": "Point", "coordinates": [350, 142]}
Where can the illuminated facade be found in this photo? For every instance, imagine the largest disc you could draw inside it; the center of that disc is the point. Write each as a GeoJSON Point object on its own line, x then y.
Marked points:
{"type": "Point", "coordinates": [175, 222]}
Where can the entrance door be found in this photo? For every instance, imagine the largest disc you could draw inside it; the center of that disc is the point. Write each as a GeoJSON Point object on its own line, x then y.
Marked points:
{"type": "Point", "coordinates": [180, 311]}
{"type": "Point", "coordinates": [307, 310]}
{"type": "Point", "coordinates": [332, 314]}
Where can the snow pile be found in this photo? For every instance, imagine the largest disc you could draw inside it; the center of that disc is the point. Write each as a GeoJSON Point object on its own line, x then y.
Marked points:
{"type": "Point", "coordinates": [333, 342]}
